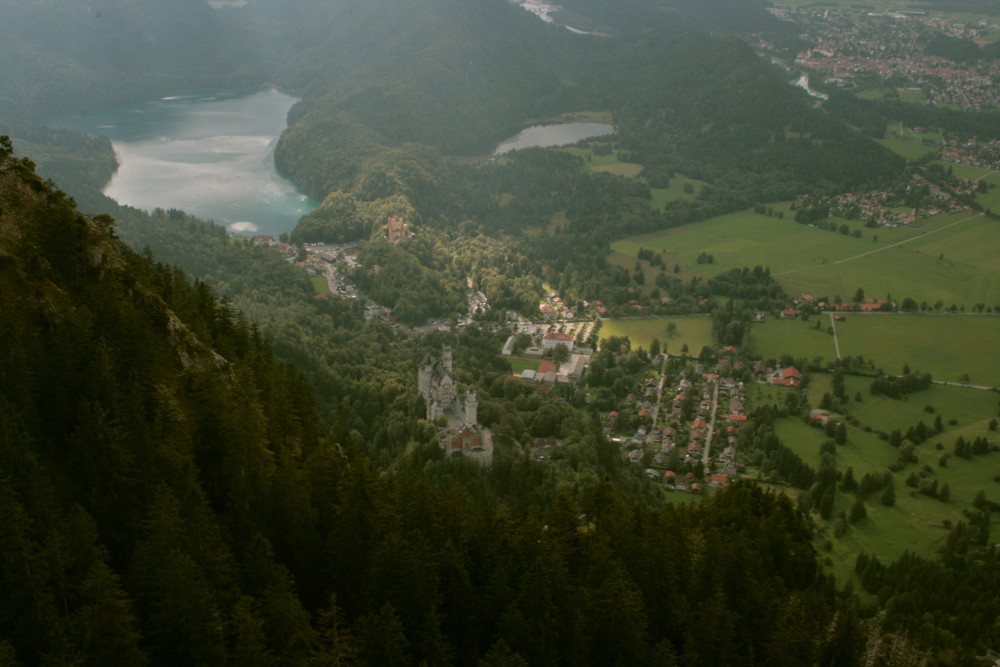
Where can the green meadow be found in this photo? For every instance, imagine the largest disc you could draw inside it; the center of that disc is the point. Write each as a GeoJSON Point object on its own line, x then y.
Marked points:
{"type": "Point", "coordinates": [320, 286]}
{"type": "Point", "coordinates": [949, 347]}
{"type": "Point", "coordinates": [948, 258]}
{"type": "Point", "coordinates": [607, 163]}
{"type": "Point", "coordinates": [675, 191]}
{"type": "Point", "coordinates": [776, 337]}
{"type": "Point", "coordinates": [946, 346]}
{"type": "Point", "coordinates": [693, 331]}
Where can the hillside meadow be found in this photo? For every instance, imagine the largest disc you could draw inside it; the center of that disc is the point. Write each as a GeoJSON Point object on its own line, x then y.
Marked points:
{"type": "Point", "coordinates": [916, 522]}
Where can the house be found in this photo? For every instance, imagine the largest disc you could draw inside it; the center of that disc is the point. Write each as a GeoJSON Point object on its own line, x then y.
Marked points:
{"type": "Point", "coordinates": [786, 377]}
{"type": "Point", "coordinates": [718, 480]}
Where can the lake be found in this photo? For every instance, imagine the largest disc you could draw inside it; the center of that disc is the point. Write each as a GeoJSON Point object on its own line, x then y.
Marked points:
{"type": "Point", "coordinates": [553, 135]}
{"type": "Point", "coordinates": [211, 155]}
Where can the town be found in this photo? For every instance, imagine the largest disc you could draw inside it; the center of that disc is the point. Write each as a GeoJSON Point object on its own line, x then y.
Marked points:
{"type": "Point", "coordinates": [859, 51]}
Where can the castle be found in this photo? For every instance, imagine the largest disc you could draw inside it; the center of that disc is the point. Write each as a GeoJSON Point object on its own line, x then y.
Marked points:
{"type": "Point", "coordinates": [436, 383]}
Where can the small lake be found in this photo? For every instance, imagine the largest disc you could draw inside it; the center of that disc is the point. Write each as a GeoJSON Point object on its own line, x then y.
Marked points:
{"type": "Point", "coordinates": [211, 155]}
{"type": "Point", "coordinates": [553, 135]}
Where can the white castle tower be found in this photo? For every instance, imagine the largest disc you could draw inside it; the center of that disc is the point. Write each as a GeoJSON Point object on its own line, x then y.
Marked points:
{"type": "Point", "coordinates": [471, 408]}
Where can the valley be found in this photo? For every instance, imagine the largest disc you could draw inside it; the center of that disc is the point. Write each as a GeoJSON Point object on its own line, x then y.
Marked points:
{"type": "Point", "coordinates": [732, 342]}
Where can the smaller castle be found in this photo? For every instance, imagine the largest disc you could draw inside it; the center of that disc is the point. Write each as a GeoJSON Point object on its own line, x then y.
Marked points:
{"type": "Point", "coordinates": [397, 230]}
{"type": "Point", "coordinates": [462, 433]}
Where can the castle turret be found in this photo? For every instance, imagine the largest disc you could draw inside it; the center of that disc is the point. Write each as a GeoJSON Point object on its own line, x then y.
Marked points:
{"type": "Point", "coordinates": [446, 358]}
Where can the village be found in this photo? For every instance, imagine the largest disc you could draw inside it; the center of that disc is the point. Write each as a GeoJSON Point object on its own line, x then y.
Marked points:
{"type": "Point", "coordinates": [920, 197]}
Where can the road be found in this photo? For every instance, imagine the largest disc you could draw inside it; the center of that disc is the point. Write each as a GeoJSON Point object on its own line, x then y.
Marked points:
{"type": "Point", "coordinates": [706, 455]}
{"type": "Point", "coordinates": [659, 389]}
{"type": "Point", "coordinates": [836, 343]}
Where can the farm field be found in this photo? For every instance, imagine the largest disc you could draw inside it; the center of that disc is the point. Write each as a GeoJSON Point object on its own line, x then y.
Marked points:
{"type": "Point", "coordinates": [693, 331]}
{"type": "Point", "coordinates": [775, 337]}
{"type": "Point", "coordinates": [948, 258]}
{"type": "Point", "coordinates": [946, 346]}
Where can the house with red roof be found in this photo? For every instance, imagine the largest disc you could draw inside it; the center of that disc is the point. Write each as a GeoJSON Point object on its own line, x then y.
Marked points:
{"type": "Point", "coordinates": [786, 377]}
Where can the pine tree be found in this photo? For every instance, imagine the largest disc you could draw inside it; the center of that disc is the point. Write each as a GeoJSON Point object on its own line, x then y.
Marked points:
{"type": "Point", "coordinates": [826, 504]}
{"type": "Point", "coordinates": [381, 639]}
{"type": "Point", "coordinates": [858, 511]}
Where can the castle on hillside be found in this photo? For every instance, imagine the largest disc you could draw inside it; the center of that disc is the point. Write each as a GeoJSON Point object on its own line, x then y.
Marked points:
{"type": "Point", "coordinates": [396, 230]}
{"type": "Point", "coordinates": [436, 383]}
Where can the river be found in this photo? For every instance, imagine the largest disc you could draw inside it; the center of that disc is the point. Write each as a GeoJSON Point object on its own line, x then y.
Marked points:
{"type": "Point", "coordinates": [210, 154]}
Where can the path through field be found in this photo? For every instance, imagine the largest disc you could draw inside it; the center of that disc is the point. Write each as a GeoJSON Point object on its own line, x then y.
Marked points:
{"type": "Point", "coordinates": [872, 252]}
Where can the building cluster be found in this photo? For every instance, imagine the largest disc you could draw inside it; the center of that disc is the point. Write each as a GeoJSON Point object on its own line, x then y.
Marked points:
{"type": "Point", "coordinates": [697, 419]}
{"type": "Point", "coordinates": [554, 367]}
{"type": "Point", "coordinates": [553, 308]}
{"type": "Point", "coordinates": [884, 208]}
{"type": "Point", "coordinates": [972, 152]}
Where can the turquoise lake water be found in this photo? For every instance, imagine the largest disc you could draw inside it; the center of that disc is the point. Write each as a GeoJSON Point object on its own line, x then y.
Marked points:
{"type": "Point", "coordinates": [209, 154]}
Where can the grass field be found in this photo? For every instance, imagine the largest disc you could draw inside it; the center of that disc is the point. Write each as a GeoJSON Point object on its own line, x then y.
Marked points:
{"type": "Point", "coordinates": [946, 346]}
{"type": "Point", "coordinates": [519, 364]}
{"type": "Point", "coordinates": [675, 191]}
{"type": "Point", "coordinates": [606, 163]}
{"type": "Point", "coordinates": [695, 332]}
{"type": "Point", "coordinates": [947, 258]}
{"type": "Point", "coordinates": [775, 337]}
{"type": "Point", "coordinates": [320, 286]}
{"type": "Point", "coordinates": [911, 149]}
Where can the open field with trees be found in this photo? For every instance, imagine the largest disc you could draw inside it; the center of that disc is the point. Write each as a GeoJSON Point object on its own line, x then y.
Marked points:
{"type": "Point", "coordinates": [932, 489]}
